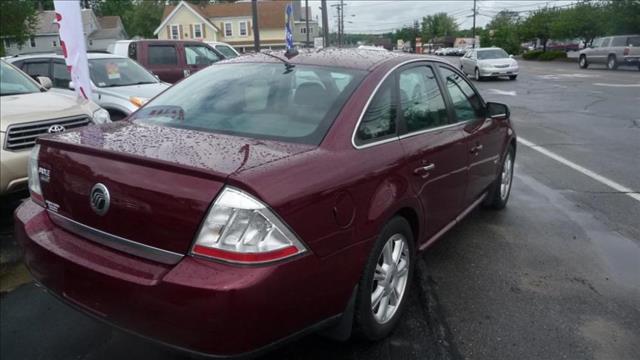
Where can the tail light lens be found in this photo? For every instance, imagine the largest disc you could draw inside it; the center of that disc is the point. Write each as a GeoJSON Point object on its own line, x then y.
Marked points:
{"type": "Point", "coordinates": [34, 177]}
{"type": "Point", "coordinates": [626, 51]}
{"type": "Point", "coordinates": [241, 229]}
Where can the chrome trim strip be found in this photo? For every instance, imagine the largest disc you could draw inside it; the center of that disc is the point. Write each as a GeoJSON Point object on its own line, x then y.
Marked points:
{"type": "Point", "coordinates": [439, 128]}
{"type": "Point", "coordinates": [115, 242]}
{"type": "Point", "coordinates": [375, 91]}
{"type": "Point", "coordinates": [453, 222]}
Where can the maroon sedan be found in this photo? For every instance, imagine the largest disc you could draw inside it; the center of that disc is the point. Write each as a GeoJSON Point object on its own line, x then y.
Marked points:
{"type": "Point", "coordinates": [262, 198]}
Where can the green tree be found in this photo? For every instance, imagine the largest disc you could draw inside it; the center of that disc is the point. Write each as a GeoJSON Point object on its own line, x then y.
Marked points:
{"type": "Point", "coordinates": [586, 20]}
{"type": "Point", "coordinates": [113, 7]}
{"type": "Point", "coordinates": [622, 17]}
{"type": "Point", "coordinates": [18, 21]}
{"type": "Point", "coordinates": [143, 18]}
{"type": "Point", "coordinates": [540, 25]}
{"type": "Point", "coordinates": [503, 32]}
{"type": "Point", "coordinates": [438, 25]}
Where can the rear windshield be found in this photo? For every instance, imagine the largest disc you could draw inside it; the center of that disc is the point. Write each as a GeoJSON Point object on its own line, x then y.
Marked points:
{"type": "Point", "coordinates": [256, 100]}
{"type": "Point", "coordinates": [492, 54]}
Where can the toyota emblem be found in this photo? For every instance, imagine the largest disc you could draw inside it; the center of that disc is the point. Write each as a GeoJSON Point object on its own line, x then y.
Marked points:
{"type": "Point", "coordinates": [100, 199]}
{"type": "Point", "coordinates": [55, 129]}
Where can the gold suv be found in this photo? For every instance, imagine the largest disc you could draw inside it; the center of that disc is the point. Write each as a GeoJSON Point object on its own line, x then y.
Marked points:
{"type": "Point", "coordinates": [28, 110]}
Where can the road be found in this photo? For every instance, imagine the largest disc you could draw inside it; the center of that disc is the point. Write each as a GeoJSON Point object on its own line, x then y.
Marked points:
{"type": "Point", "coordinates": [556, 275]}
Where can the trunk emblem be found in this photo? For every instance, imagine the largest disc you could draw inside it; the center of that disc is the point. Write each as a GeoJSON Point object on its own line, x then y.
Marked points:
{"type": "Point", "coordinates": [55, 129]}
{"type": "Point", "coordinates": [100, 199]}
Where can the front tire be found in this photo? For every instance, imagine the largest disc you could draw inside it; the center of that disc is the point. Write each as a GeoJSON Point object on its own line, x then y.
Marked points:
{"type": "Point", "coordinates": [612, 62]}
{"type": "Point", "coordinates": [383, 288]}
{"type": "Point", "coordinates": [498, 195]}
{"type": "Point", "coordinates": [513, 77]}
{"type": "Point", "coordinates": [477, 75]}
{"type": "Point", "coordinates": [583, 62]}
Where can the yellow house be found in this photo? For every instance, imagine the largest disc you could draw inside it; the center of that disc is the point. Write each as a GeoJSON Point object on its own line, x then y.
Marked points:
{"type": "Point", "coordinates": [231, 23]}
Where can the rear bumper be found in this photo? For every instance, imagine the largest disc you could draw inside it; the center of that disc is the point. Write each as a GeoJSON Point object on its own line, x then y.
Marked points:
{"type": "Point", "coordinates": [199, 306]}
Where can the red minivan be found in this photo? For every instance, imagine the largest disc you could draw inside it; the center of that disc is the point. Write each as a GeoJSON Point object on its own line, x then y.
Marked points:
{"type": "Point", "coordinates": [171, 60]}
{"type": "Point", "coordinates": [265, 197]}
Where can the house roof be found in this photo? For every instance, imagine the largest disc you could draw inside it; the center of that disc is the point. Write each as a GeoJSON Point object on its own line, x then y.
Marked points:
{"type": "Point", "coordinates": [108, 22]}
{"type": "Point", "coordinates": [270, 13]}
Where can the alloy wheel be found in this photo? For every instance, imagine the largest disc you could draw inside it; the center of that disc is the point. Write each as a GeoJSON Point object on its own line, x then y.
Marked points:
{"type": "Point", "coordinates": [506, 177]}
{"type": "Point", "coordinates": [583, 61]}
{"type": "Point", "coordinates": [477, 74]}
{"type": "Point", "coordinates": [390, 278]}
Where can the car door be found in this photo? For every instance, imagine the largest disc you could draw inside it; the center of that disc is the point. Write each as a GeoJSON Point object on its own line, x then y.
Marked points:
{"type": "Point", "coordinates": [436, 153]}
{"type": "Point", "coordinates": [163, 60]}
{"type": "Point", "coordinates": [600, 52]}
{"type": "Point", "coordinates": [464, 62]}
{"type": "Point", "coordinates": [199, 56]}
{"type": "Point", "coordinates": [483, 135]}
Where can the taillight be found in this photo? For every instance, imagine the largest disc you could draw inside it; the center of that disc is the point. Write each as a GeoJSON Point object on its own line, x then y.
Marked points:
{"type": "Point", "coordinates": [626, 51]}
{"type": "Point", "coordinates": [241, 229]}
{"type": "Point", "coordinates": [34, 177]}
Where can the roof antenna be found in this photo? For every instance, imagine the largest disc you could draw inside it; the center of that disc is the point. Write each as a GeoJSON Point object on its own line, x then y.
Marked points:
{"type": "Point", "coordinates": [288, 66]}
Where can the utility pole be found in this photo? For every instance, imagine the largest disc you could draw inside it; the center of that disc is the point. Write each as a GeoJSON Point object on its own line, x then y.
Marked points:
{"type": "Point", "coordinates": [306, 19]}
{"type": "Point", "coordinates": [474, 25]}
{"type": "Point", "coordinates": [339, 21]}
{"type": "Point", "coordinates": [342, 39]}
{"type": "Point", "coordinates": [256, 27]}
{"type": "Point", "coordinates": [325, 24]}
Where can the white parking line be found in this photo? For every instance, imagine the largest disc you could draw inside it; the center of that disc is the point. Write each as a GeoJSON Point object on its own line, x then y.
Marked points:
{"type": "Point", "coordinates": [599, 178]}
{"type": "Point", "coordinates": [503, 92]}
{"type": "Point", "coordinates": [617, 85]}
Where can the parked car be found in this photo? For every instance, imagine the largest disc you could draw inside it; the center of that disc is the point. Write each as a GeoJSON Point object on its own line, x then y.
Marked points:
{"type": "Point", "coordinates": [27, 111]}
{"type": "Point", "coordinates": [120, 85]}
{"type": "Point", "coordinates": [170, 60]}
{"type": "Point", "coordinates": [612, 51]}
{"type": "Point", "coordinates": [225, 49]}
{"type": "Point", "coordinates": [489, 62]}
{"type": "Point", "coordinates": [215, 219]}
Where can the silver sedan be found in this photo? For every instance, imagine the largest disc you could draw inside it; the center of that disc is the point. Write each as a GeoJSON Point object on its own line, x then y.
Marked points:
{"type": "Point", "coordinates": [489, 62]}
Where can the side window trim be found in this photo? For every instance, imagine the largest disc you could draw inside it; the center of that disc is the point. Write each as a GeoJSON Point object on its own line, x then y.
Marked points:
{"type": "Point", "coordinates": [393, 72]}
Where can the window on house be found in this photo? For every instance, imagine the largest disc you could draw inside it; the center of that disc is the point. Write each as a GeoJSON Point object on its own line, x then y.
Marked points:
{"type": "Point", "coordinates": [32, 42]}
{"type": "Point", "coordinates": [175, 32]}
{"type": "Point", "coordinates": [243, 28]}
{"type": "Point", "coordinates": [197, 31]}
{"type": "Point", "coordinates": [228, 29]}
{"type": "Point", "coordinates": [303, 30]}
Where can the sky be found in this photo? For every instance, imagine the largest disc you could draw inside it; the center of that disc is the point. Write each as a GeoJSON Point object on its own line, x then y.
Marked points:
{"type": "Point", "coordinates": [380, 16]}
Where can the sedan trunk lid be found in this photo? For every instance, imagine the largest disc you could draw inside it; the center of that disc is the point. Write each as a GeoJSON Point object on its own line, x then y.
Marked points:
{"type": "Point", "coordinates": [160, 180]}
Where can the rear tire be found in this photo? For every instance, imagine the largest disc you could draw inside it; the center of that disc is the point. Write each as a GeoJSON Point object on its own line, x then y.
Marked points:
{"type": "Point", "coordinates": [385, 282]}
{"type": "Point", "coordinates": [612, 62]}
{"type": "Point", "coordinates": [583, 63]}
{"type": "Point", "coordinates": [498, 195]}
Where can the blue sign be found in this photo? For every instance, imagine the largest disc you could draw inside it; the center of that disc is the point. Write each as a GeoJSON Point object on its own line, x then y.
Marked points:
{"type": "Point", "coordinates": [288, 34]}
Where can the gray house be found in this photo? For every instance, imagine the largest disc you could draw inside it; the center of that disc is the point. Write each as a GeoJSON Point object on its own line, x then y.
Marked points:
{"type": "Point", "coordinates": [98, 31]}
{"type": "Point", "coordinates": [299, 25]}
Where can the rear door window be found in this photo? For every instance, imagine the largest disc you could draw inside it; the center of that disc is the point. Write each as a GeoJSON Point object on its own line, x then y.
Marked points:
{"type": "Point", "coordinates": [36, 68]}
{"type": "Point", "coordinates": [619, 41]}
{"type": "Point", "coordinates": [163, 55]}
{"type": "Point", "coordinates": [633, 41]}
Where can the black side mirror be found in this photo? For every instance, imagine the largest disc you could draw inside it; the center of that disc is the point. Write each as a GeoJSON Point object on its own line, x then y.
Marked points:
{"type": "Point", "coordinates": [498, 111]}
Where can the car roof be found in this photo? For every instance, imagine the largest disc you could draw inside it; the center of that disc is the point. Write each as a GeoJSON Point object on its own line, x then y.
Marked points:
{"type": "Point", "coordinates": [58, 56]}
{"type": "Point", "coordinates": [360, 59]}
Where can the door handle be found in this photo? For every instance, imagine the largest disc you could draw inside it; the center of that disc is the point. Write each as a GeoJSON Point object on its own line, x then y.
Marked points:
{"type": "Point", "coordinates": [424, 170]}
{"type": "Point", "coordinates": [476, 149]}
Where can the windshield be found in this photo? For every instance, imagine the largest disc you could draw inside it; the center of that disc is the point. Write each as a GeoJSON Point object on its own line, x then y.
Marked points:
{"type": "Point", "coordinates": [256, 100]}
{"type": "Point", "coordinates": [110, 72]}
{"type": "Point", "coordinates": [492, 54]}
{"type": "Point", "coordinates": [226, 51]}
{"type": "Point", "coordinates": [14, 82]}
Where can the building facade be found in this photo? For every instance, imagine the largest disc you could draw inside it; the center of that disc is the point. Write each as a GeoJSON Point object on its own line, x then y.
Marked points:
{"type": "Point", "coordinates": [232, 23]}
{"type": "Point", "coordinates": [99, 33]}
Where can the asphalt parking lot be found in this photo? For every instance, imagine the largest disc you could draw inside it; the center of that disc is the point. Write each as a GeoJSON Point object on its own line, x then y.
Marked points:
{"type": "Point", "coordinates": [554, 276]}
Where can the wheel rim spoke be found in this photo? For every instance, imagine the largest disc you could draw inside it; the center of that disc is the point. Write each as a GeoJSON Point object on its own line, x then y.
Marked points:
{"type": "Point", "coordinates": [377, 296]}
{"type": "Point", "coordinates": [380, 273]}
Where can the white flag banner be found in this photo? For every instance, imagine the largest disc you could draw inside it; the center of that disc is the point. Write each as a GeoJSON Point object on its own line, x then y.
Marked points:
{"type": "Point", "coordinates": [72, 42]}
